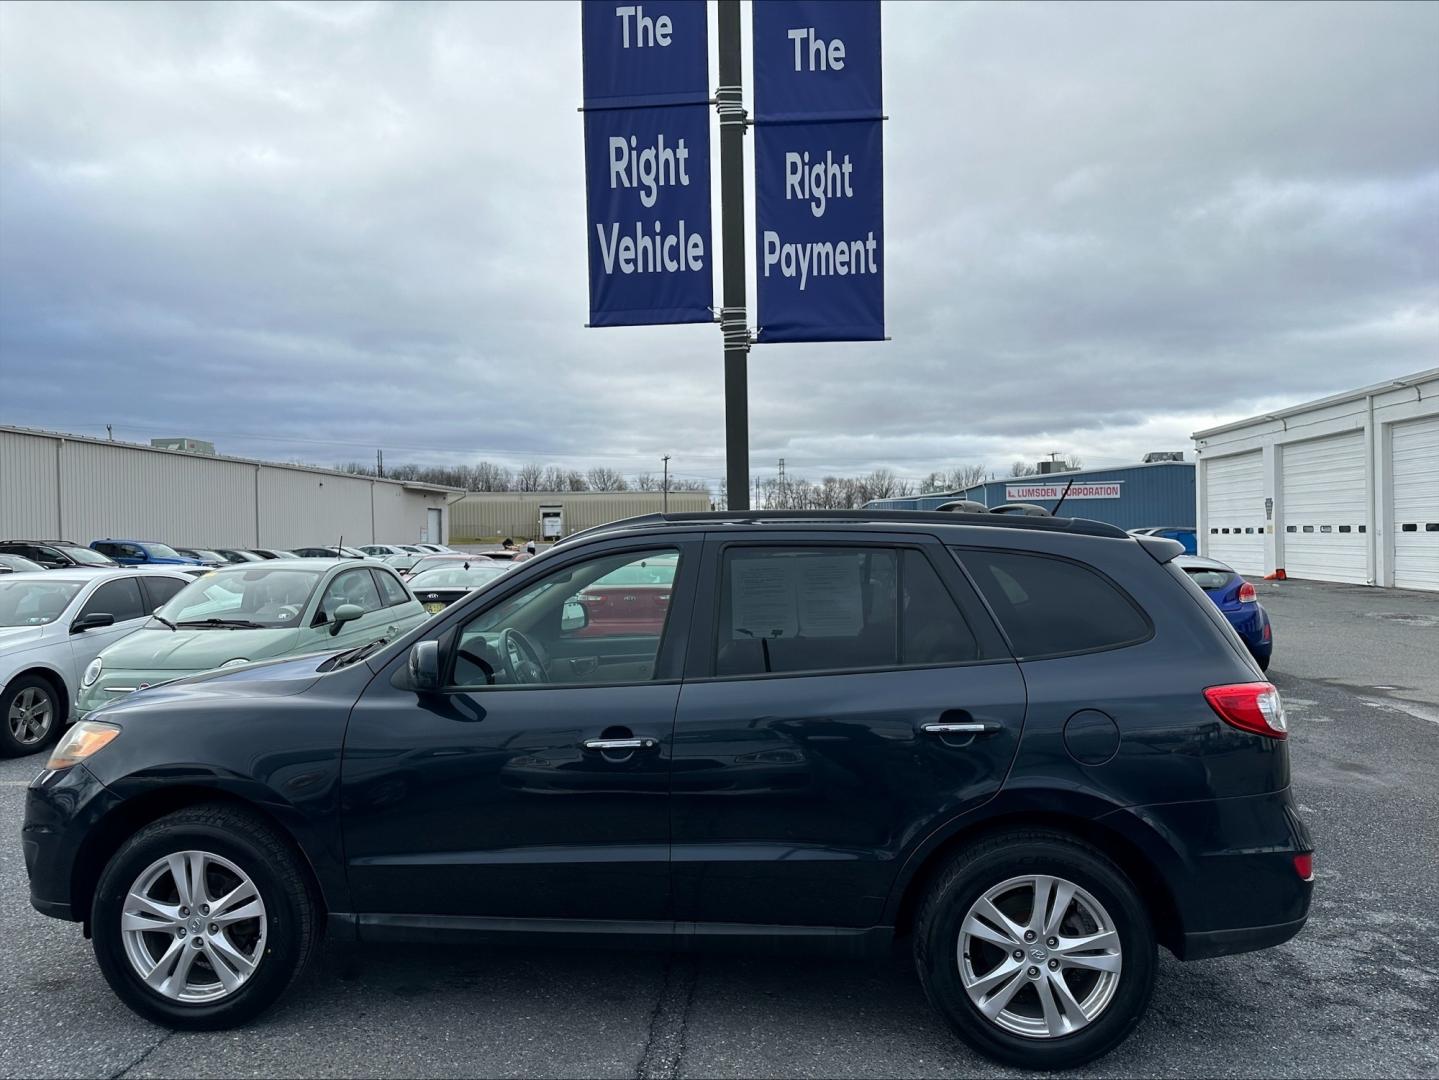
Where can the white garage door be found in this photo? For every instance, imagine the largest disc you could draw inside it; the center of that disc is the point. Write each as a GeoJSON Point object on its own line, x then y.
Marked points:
{"type": "Point", "coordinates": [1234, 503]}
{"type": "Point", "coordinates": [1324, 509]}
{"type": "Point", "coordinates": [1415, 470]}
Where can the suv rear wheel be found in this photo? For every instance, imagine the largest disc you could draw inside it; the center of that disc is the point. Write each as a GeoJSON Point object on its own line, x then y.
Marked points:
{"type": "Point", "coordinates": [1037, 949]}
{"type": "Point", "coordinates": [203, 919]}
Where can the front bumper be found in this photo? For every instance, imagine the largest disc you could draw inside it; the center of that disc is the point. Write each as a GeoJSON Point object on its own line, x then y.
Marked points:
{"type": "Point", "coordinates": [1231, 870]}
{"type": "Point", "coordinates": [62, 811]}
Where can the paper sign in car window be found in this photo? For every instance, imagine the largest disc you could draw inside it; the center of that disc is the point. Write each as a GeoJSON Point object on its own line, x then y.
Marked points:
{"type": "Point", "coordinates": [762, 598]}
{"type": "Point", "coordinates": [828, 594]}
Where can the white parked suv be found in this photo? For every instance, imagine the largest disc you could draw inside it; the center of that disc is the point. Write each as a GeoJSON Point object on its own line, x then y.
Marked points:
{"type": "Point", "coordinates": [52, 624]}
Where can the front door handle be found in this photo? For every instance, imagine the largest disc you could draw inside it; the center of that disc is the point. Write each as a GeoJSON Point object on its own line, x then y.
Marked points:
{"type": "Point", "coordinates": [968, 727]}
{"type": "Point", "coordinates": [620, 744]}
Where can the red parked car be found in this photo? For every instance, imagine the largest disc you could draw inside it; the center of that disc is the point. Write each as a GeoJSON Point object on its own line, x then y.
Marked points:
{"type": "Point", "coordinates": [631, 600]}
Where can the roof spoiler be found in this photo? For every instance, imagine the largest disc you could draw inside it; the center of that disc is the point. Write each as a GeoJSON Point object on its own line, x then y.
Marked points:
{"type": "Point", "coordinates": [1161, 548]}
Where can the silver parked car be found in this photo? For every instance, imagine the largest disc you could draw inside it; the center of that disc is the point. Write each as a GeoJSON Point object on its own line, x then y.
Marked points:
{"type": "Point", "coordinates": [52, 624]}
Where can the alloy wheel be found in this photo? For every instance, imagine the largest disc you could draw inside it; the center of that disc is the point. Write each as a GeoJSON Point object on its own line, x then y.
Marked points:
{"type": "Point", "coordinates": [193, 925]}
{"type": "Point", "coordinates": [30, 716]}
{"type": "Point", "coordinates": [1039, 956]}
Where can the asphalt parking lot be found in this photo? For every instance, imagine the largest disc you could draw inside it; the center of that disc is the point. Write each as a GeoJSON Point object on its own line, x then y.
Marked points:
{"type": "Point", "coordinates": [1354, 995]}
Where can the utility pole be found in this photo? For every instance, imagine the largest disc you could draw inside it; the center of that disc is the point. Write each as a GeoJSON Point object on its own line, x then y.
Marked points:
{"type": "Point", "coordinates": [782, 500]}
{"type": "Point", "coordinates": [380, 464]}
{"type": "Point", "coordinates": [110, 432]}
{"type": "Point", "coordinates": [666, 460]}
{"type": "Point", "coordinates": [734, 321]}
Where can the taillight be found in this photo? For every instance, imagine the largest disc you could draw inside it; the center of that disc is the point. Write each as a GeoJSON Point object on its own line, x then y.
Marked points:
{"type": "Point", "coordinates": [1251, 706]}
{"type": "Point", "coordinates": [1304, 865]}
{"type": "Point", "coordinates": [1247, 594]}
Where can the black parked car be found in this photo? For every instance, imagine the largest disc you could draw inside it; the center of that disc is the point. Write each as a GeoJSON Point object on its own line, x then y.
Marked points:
{"type": "Point", "coordinates": [56, 554]}
{"type": "Point", "coordinates": [1030, 746]}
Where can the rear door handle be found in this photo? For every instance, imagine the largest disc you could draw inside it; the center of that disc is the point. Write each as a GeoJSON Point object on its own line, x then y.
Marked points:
{"type": "Point", "coordinates": [969, 727]}
{"type": "Point", "coordinates": [620, 744]}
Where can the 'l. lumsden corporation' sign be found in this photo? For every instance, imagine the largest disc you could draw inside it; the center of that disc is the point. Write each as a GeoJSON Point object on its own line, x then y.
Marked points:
{"type": "Point", "coordinates": [1044, 492]}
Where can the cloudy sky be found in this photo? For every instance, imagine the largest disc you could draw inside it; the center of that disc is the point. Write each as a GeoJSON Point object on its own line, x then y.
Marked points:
{"type": "Point", "coordinates": [308, 230]}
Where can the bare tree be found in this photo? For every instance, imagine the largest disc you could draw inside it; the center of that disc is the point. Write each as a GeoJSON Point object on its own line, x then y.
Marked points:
{"type": "Point", "coordinates": [487, 476]}
{"type": "Point", "coordinates": [529, 477]}
{"type": "Point", "coordinates": [962, 477]}
{"type": "Point", "coordinates": [602, 478]}
{"type": "Point", "coordinates": [1020, 468]}
{"type": "Point", "coordinates": [646, 482]}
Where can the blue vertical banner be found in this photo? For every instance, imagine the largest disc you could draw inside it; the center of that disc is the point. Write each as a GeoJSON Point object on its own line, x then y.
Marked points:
{"type": "Point", "coordinates": [819, 170]}
{"type": "Point", "coordinates": [647, 161]}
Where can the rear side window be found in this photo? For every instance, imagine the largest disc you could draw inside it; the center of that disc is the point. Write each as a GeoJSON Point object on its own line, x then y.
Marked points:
{"type": "Point", "coordinates": [1050, 607]}
{"type": "Point", "coordinates": [788, 610]}
{"type": "Point", "coordinates": [391, 591]}
{"type": "Point", "coordinates": [162, 589]}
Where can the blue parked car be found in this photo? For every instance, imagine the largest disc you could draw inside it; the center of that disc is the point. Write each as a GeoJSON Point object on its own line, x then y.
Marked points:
{"type": "Point", "coordinates": [1239, 601]}
{"type": "Point", "coordinates": [1183, 533]}
{"type": "Point", "coordinates": [142, 553]}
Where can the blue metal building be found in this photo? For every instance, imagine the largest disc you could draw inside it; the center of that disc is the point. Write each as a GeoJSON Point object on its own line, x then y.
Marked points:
{"type": "Point", "coordinates": [1132, 496]}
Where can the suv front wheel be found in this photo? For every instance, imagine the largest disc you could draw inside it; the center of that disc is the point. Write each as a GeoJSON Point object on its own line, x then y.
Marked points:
{"type": "Point", "coordinates": [203, 918]}
{"type": "Point", "coordinates": [1037, 949]}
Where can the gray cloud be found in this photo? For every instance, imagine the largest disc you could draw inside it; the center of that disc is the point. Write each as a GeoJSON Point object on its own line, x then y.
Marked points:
{"type": "Point", "coordinates": [348, 226]}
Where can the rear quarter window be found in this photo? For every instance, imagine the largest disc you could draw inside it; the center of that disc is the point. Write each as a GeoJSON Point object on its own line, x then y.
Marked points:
{"type": "Point", "coordinates": [1049, 606]}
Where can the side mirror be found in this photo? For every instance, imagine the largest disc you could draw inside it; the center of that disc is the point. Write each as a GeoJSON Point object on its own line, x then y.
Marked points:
{"type": "Point", "coordinates": [574, 616]}
{"type": "Point", "coordinates": [93, 621]}
{"type": "Point", "coordinates": [424, 666]}
{"type": "Point", "coordinates": [345, 613]}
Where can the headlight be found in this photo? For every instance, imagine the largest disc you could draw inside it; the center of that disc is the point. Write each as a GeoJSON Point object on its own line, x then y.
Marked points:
{"type": "Point", "coordinates": [235, 662]}
{"type": "Point", "coordinates": [80, 742]}
{"type": "Point", "coordinates": [92, 672]}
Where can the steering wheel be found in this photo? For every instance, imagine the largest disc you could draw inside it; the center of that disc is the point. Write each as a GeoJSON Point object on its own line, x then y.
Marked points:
{"type": "Point", "coordinates": [523, 663]}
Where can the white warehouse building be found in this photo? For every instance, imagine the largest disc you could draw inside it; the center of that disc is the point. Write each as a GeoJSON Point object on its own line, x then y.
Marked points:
{"type": "Point", "coordinates": [1341, 489]}
{"type": "Point", "coordinates": [74, 487]}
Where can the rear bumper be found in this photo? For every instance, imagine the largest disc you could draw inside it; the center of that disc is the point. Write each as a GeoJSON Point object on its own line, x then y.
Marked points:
{"type": "Point", "coordinates": [1205, 944]}
{"type": "Point", "coordinates": [1228, 866]}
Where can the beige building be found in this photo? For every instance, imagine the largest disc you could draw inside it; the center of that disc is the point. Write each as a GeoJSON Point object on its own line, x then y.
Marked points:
{"type": "Point", "coordinates": [549, 515]}
{"type": "Point", "coordinates": [74, 487]}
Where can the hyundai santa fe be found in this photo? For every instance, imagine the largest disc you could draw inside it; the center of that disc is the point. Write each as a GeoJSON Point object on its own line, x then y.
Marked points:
{"type": "Point", "coordinates": [1031, 749]}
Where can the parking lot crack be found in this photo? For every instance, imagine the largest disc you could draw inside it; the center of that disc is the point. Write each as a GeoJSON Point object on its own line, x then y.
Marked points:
{"type": "Point", "coordinates": [161, 1041]}
{"type": "Point", "coordinates": [665, 1042]}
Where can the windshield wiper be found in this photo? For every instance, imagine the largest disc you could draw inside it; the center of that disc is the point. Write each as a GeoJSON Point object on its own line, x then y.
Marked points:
{"type": "Point", "coordinates": [228, 624]}
{"type": "Point", "coordinates": [351, 655]}
{"type": "Point", "coordinates": [164, 620]}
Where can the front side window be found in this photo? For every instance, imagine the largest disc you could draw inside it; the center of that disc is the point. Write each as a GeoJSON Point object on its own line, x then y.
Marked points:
{"type": "Point", "coordinates": [790, 610]}
{"type": "Point", "coordinates": [352, 587]}
{"type": "Point", "coordinates": [160, 551]}
{"type": "Point", "coordinates": [1050, 607]}
{"type": "Point", "coordinates": [34, 603]}
{"type": "Point", "coordinates": [120, 598]}
{"type": "Point", "coordinates": [258, 597]}
{"type": "Point", "coordinates": [161, 590]}
{"type": "Point", "coordinates": [568, 629]}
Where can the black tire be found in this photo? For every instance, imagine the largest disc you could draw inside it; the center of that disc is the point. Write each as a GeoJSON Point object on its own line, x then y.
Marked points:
{"type": "Point", "coordinates": [291, 913]}
{"type": "Point", "coordinates": [10, 744]}
{"type": "Point", "coordinates": [987, 864]}
{"type": "Point", "coordinates": [1263, 662]}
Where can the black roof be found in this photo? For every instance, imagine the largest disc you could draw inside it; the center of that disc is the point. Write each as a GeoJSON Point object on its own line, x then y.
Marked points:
{"type": "Point", "coordinates": [1079, 526]}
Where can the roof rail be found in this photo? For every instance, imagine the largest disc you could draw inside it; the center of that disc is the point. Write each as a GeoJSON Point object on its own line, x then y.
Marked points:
{"type": "Point", "coordinates": [1081, 526]}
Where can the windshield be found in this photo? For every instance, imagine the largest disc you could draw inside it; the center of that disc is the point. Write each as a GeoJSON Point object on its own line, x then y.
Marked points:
{"type": "Point", "coordinates": [253, 595]}
{"type": "Point", "coordinates": [456, 577]}
{"type": "Point", "coordinates": [87, 556]}
{"type": "Point", "coordinates": [34, 603]}
{"type": "Point", "coordinates": [162, 551]}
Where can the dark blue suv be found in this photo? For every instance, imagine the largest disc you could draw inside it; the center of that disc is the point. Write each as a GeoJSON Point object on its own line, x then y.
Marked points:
{"type": "Point", "coordinates": [1031, 747]}
{"type": "Point", "coordinates": [143, 553]}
